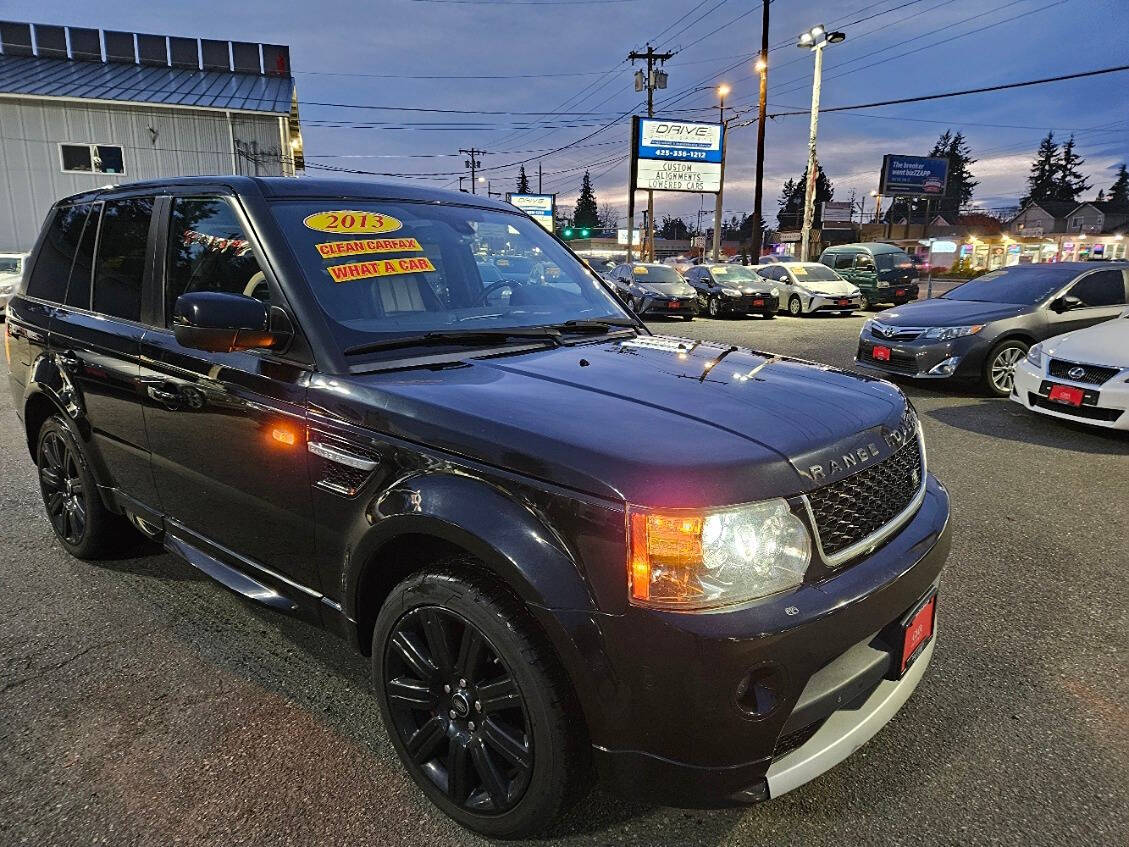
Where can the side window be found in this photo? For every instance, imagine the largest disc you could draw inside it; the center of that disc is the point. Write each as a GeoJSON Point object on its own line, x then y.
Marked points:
{"type": "Point", "coordinates": [1104, 288]}
{"type": "Point", "coordinates": [48, 280]}
{"type": "Point", "coordinates": [843, 261]}
{"type": "Point", "coordinates": [864, 262]}
{"type": "Point", "coordinates": [209, 251]}
{"type": "Point", "coordinates": [78, 290]}
{"type": "Point", "coordinates": [120, 265]}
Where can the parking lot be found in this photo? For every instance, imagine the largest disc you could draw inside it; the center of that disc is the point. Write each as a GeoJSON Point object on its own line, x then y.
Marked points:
{"type": "Point", "coordinates": [140, 703]}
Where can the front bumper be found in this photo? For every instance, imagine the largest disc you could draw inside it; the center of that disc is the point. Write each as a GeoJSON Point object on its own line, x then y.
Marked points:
{"type": "Point", "coordinates": [675, 727]}
{"type": "Point", "coordinates": [923, 359]}
{"type": "Point", "coordinates": [908, 291]}
{"type": "Point", "coordinates": [835, 304]}
{"type": "Point", "coordinates": [675, 306]}
{"type": "Point", "coordinates": [761, 304]}
{"type": "Point", "coordinates": [1105, 405]}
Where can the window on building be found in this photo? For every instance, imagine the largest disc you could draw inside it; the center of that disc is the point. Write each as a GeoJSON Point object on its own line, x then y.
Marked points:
{"type": "Point", "coordinates": [120, 266]}
{"type": "Point", "coordinates": [1104, 288]}
{"type": "Point", "coordinates": [48, 279]}
{"type": "Point", "coordinates": [209, 251]}
{"type": "Point", "coordinates": [92, 158]}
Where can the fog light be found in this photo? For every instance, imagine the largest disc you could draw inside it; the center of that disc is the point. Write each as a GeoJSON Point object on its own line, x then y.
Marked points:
{"type": "Point", "coordinates": [759, 691]}
{"type": "Point", "coordinates": [946, 367]}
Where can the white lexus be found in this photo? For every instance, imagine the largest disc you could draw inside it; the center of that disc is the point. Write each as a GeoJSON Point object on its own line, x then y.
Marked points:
{"type": "Point", "coordinates": [1079, 376]}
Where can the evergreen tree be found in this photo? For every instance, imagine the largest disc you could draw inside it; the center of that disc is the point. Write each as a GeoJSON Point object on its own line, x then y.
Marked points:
{"type": "Point", "coordinates": [522, 182]}
{"type": "Point", "coordinates": [1044, 171]}
{"type": "Point", "coordinates": [961, 185]}
{"type": "Point", "coordinates": [673, 228]}
{"type": "Point", "coordinates": [1069, 181]}
{"type": "Point", "coordinates": [1119, 191]}
{"type": "Point", "coordinates": [587, 213]}
{"type": "Point", "coordinates": [791, 214]}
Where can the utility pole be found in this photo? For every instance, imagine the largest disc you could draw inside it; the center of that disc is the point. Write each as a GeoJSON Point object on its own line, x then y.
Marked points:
{"type": "Point", "coordinates": [722, 90]}
{"type": "Point", "coordinates": [652, 81]}
{"type": "Point", "coordinates": [474, 164]}
{"type": "Point", "coordinates": [816, 39]}
{"type": "Point", "coordinates": [758, 191]}
{"type": "Point", "coordinates": [539, 176]}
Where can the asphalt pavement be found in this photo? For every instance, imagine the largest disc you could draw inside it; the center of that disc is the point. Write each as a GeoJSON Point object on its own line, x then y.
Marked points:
{"type": "Point", "coordinates": [141, 703]}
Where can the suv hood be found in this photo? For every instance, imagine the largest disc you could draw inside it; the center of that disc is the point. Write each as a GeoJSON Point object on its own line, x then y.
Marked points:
{"type": "Point", "coordinates": [651, 420]}
{"type": "Point", "coordinates": [942, 312]}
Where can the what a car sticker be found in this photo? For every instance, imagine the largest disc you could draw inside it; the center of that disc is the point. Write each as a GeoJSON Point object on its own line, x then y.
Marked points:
{"type": "Point", "coordinates": [379, 267]}
{"type": "Point", "coordinates": [352, 222]}
{"type": "Point", "coordinates": [798, 270]}
{"type": "Point", "coordinates": [641, 269]}
{"type": "Point", "coordinates": [720, 271]}
{"type": "Point", "coordinates": [334, 249]}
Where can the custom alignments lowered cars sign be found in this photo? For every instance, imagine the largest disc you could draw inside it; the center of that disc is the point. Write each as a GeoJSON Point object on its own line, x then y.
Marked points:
{"type": "Point", "coordinates": [676, 155]}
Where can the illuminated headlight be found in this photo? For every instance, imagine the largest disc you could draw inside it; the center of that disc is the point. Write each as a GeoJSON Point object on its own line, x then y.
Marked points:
{"type": "Point", "coordinates": [856, 293]}
{"type": "Point", "coordinates": [882, 284]}
{"type": "Point", "coordinates": [947, 333]}
{"type": "Point", "coordinates": [731, 292]}
{"type": "Point", "coordinates": [1035, 356]}
{"type": "Point", "coordinates": [689, 561]}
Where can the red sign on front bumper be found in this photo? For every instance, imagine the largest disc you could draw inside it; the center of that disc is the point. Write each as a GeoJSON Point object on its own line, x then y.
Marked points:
{"type": "Point", "coordinates": [917, 632]}
{"type": "Point", "coordinates": [1066, 395]}
{"type": "Point", "coordinates": [673, 304]}
{"type": "Point", "coordinates": [882, 354]}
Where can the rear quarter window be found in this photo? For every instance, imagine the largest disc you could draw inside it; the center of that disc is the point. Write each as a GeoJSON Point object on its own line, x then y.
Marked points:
{"type": "Point", "coordinates": [120, 266]}
{"type": "Point", "coordinates": [48, 280]}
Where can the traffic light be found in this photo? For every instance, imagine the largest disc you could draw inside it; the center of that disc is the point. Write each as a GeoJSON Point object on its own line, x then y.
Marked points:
{"type": "Point", "coordinates": [566, 233]}
{"type": "Point", "coordinates": [585, 232]}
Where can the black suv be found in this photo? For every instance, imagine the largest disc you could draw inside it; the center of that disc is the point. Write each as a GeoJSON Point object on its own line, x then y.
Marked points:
{"type": "Point", "coordinates": [306, 390]}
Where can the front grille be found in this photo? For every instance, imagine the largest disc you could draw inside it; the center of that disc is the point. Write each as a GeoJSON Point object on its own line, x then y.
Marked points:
{"type": "Point", "coordinates": [904, 363]}
{"type": "Point", "coordinates": [1092, 413]}
{"type": "Point", "coordinates": [854, 508]}
{"type": "Point", "coordinates": [1091, 374]}
{"type": "Point", "coordinates": [897, 333]}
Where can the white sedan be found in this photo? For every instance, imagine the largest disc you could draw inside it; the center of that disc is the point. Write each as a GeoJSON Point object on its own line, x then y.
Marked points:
{"type": "Point", "coordinates": [807, 287]}
{"type": "Point", "coordinates": [1079, 376]}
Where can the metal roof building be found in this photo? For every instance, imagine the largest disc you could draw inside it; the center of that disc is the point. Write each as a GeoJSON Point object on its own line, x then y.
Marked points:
{"type": "Point", "coordinates": [82, 108]}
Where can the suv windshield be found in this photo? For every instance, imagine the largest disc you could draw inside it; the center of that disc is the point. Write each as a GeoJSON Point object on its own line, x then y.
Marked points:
{"type": "Point", "coordinates": [1023, 284]}
{"type": "Point", "coordinates": [656, 274]}
{"type": "Point", "coordinates": [813, 272]}
{"type": "Point", "coordinates": [889, 261]}
{"type": "Point", "coordinates": [10, 264]}
{"type": "Point", "coordinates": [383, 269]}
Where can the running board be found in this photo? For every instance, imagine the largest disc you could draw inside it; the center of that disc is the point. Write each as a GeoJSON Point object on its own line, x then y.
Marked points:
{"type": "Point", "coordinates": [228, 576]}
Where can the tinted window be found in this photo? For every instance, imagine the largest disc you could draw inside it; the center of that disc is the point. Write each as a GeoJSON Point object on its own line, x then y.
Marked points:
{"type": "Point", "coordinates": [889, 261]}
{"type": "Point", "coordinates": [209, 251]}
{"type": "Point", "coordinates": [120, 266]}
{"type": "Point", "coordinates": [1104, 288]}
{"type": "Point", "coordinates": [78, 291]}
{"type": "Point", "coordinates": [1021, 284]}
{"type": "Point", "coordinates": [49, 277]}
{"type": "Point", "coordinates": [841, 260]}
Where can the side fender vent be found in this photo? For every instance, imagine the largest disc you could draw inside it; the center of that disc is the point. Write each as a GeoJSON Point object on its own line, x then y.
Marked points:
{"type": "Point", "coordinates": [345, 468]}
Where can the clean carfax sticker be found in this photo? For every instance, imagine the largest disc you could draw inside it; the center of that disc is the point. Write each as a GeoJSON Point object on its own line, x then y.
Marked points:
{"type": "Point", "coordinates": [333, 249]}
{"type": "Point", "coordinates": [381, 267]}
{"type": "Point", "coordinates": [352, 222]}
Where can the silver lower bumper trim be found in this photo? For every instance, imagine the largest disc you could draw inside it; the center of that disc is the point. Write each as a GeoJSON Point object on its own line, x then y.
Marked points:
{"type": "Point", "coordinates": [846, 730]}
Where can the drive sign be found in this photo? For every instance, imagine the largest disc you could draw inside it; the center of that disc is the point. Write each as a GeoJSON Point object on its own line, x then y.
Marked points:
{"type": "Point", "coordinates": [677, 155]}
{"type": "Point", "coordinates": [537, 206]}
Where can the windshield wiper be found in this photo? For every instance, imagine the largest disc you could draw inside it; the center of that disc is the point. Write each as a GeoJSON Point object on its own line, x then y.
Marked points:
{"type": "Point", "coordinates": [594, 326]}
{"type": "Point", "coordinates": [468, 337]}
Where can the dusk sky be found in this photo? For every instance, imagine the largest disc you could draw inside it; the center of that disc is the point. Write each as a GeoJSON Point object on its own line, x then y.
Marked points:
{"type": "Point", "coordinates": [568, 58]}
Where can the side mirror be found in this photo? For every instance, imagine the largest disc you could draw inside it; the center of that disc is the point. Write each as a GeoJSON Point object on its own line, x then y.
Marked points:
{"type": "Point", "coordinates": [1066, 303]}
{"type": "Point", "coordinates": [619, 296]}
{"type": "Point", "coordinates": [219, 322]}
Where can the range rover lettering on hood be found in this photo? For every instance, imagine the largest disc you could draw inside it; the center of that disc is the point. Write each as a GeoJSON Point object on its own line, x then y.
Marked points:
{"type": "Point", "coordinates": [837, 463]}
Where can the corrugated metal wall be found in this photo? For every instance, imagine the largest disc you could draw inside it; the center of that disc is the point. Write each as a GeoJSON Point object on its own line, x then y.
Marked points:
{"type": "Point", "coordinates": [156, 142]}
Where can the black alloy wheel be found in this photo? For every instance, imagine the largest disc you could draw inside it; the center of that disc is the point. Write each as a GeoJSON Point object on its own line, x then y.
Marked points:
{"type": "Point", "coordinates": [62, 485]}
{"type": "Point", "coordinates": [458, 711]}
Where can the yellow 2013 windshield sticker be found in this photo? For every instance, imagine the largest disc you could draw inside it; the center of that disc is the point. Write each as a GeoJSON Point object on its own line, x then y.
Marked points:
{"type": "Point", "coordinates": [380, 267]}
{"type": "Point", "coordinates": [352, 222]}
{"type": "Point", "coordinates": [798, 270]}
{"type": "Point", "coordinates": [641, 269]}
{"type": "Point", "coordinates": [333, 249]}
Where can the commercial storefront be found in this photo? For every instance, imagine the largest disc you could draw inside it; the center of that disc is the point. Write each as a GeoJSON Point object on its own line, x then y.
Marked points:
{"type": "Point", "coordinates": [981, 254]}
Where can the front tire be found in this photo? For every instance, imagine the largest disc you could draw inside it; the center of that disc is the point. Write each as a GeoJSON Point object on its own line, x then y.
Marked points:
{"type": "Point", "coordinates": [999, 366]}
{"type": "Point", "coordinates": [795, 307]}
{"type": "Point", "coordinates": [714, 308]}
{"type": "Point", "coordinates": [482, 715]}
{"type": "Point", "coordinates": [82, 523]}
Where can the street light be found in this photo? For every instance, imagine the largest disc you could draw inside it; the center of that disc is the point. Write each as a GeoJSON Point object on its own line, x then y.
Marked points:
{"type": "Point", "coordinates": [722, 90]}
{"type": "Point", "coordinates": [815, 39]}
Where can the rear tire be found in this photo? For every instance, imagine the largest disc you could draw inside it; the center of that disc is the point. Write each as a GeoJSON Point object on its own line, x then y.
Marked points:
{"type": "Point", "coordinates": [795, 307]}
{"type": "Point", "coordinates": [81, 521]}
{"type": "Point", "coordinates": [477, 704]}
{"type": "Point", "coordinates": [999, 366]}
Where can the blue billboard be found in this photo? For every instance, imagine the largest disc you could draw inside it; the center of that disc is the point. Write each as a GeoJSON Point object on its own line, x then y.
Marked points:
{"type": "Point", "coordinates": [915, 176]}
